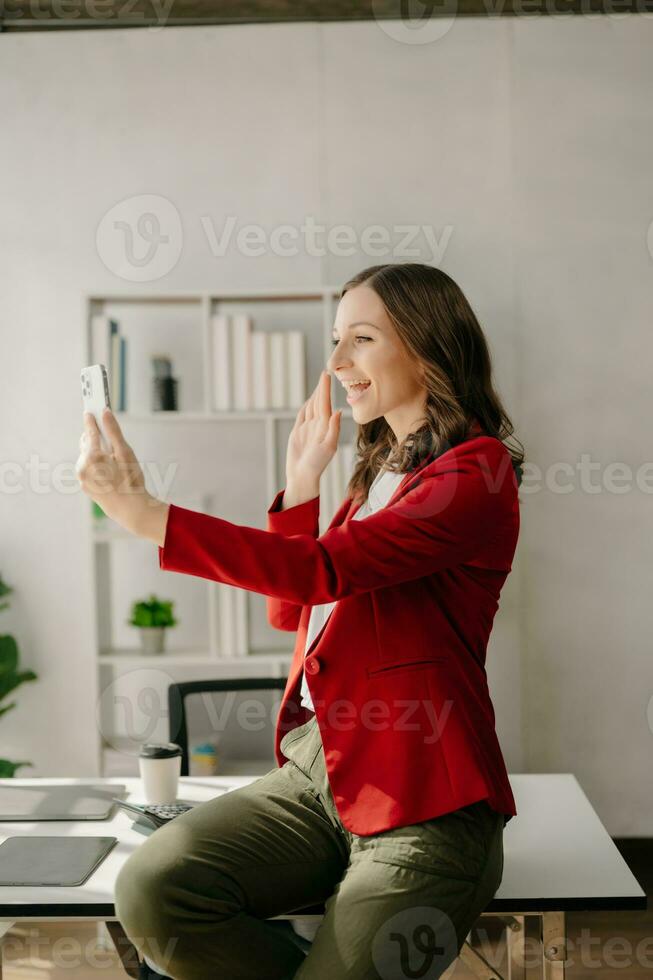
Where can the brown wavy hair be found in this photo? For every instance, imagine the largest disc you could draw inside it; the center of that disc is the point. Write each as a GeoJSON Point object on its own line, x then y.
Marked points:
{"type": "Point", "coordinates": [438, 326]}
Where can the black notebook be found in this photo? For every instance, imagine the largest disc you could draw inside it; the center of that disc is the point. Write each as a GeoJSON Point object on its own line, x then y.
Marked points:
{"type": "Point", "coordinates": [51, 860]}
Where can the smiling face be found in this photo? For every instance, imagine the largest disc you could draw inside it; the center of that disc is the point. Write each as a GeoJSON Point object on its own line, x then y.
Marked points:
{"type": "Point", "coordinates": [368, 348]}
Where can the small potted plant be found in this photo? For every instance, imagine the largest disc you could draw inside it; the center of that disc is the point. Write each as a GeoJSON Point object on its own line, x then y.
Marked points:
{"type": "Point", "coordinates": [152, 616]}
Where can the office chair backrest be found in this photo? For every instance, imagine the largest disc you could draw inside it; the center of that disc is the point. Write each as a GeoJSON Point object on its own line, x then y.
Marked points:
{"type": "Point", "coordinates": [177, 694]}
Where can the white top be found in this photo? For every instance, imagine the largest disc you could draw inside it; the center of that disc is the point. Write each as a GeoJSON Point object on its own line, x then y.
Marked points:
{"type": "Point", "coordinates": [381, 490]}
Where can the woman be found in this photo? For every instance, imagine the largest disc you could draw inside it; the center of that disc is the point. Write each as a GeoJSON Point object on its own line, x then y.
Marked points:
{"type": "Point", "coordinates": [391, 794]}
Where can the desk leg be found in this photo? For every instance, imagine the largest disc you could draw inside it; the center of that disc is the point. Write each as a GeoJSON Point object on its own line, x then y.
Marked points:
{"type": "Point", "coordinates": [554, 945]}
{"type": "Point", "coordinates": [4, 929]}
{"type": "Point", "coordinates": [126, 951]}
{"type": "Point", "coordinates": [516, 947]}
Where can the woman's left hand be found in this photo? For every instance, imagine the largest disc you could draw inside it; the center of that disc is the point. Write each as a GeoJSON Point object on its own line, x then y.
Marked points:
{"type": "Point", "coordinates": [115, 480]}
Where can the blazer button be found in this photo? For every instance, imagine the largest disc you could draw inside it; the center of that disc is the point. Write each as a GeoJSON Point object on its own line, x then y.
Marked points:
{"type": "Point", "coordinates": [312, 665]}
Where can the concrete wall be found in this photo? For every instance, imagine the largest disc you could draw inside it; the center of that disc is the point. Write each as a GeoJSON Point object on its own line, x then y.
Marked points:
{"type": "Point", "coordinates": [523, 147]}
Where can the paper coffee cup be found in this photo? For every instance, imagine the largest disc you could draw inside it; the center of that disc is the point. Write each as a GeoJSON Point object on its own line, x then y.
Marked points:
{"type": "Point", "coordinates": [160, 767]}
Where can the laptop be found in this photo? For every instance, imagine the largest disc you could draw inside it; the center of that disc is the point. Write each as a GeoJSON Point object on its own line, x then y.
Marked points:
{"type": "Point", "coordinates": [49, 801]}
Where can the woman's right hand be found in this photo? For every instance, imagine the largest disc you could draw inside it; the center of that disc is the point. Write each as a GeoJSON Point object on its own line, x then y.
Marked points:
{"type": "Point", "coordinates": [313, 440]}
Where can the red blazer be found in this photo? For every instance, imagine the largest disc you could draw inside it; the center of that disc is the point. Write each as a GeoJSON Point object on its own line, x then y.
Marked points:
{"type": "Point", "coordinates": [397, 674]}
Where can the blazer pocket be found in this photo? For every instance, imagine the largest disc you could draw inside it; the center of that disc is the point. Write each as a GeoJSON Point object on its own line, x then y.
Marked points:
{"type": "Point", "coordinates": [400, 665]}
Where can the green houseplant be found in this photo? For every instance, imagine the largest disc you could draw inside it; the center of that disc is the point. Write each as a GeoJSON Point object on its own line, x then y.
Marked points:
{"type": "Point", "coordinates": [152, 616]}
{"type": "Point", "coordinates": [10, 678]}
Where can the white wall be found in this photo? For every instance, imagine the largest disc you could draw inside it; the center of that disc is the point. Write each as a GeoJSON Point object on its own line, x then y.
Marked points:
{"type": "Point", "coordinates": [526, 142]}
{"type": "Point", "coordinates": [584, 292]}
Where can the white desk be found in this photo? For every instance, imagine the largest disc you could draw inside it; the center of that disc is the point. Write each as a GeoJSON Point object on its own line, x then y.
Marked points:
{"type": "Point", "coordinates": [558, 857]}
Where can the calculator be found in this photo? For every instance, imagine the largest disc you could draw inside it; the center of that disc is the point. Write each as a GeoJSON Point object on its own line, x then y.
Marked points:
{"type": "Point", "coordinates": [156, 814]}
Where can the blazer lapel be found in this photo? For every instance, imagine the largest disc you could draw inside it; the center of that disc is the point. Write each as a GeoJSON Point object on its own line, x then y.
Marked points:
{"type": "Point", "coordinates": [474, 431]}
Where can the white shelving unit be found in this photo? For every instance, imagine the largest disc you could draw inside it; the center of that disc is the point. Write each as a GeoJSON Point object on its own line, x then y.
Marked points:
{"type": "Point", "coordinates": [227, 650]}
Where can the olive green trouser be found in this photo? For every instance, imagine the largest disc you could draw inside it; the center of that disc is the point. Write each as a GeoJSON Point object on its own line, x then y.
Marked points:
{"type": "Point", "coordinates": [194, 897]}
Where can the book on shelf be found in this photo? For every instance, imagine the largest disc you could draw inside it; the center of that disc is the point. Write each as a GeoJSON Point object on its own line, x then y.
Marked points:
{"type": "Point", "coordinates": [109, 347]}
{"type": "Point", "coordinates": [221, 344]}
{"type": "Point", "coordinates": [255, 369]}
{"type": "Point", "coordinates": [261, 380]}
{"type": "Point", "coordinates": [250, 369]}
{"type": "Point", "coordinates": [278, 369]}
{"type": "Point", "coordinates": [296, 361]}
{"type": "Point", "coordinates": [241, 335]}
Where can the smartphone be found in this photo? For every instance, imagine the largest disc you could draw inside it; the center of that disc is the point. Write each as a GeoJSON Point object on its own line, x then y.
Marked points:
{"type": "Point", "coordinates": [95, 397]}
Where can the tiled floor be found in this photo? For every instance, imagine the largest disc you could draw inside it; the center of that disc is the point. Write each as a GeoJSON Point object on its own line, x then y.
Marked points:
{"type": "Point", "coordinates": [58, 951]}
{"type": "Point", "coordinates": [52, 951]}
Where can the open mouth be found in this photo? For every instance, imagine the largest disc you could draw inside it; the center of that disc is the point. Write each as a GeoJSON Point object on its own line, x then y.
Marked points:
{"type": "Point", "coordinates": [357, 392]}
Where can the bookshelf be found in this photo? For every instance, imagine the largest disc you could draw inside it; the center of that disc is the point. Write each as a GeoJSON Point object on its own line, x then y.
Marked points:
{"type": "Point", "coordinates": [223, 631]}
